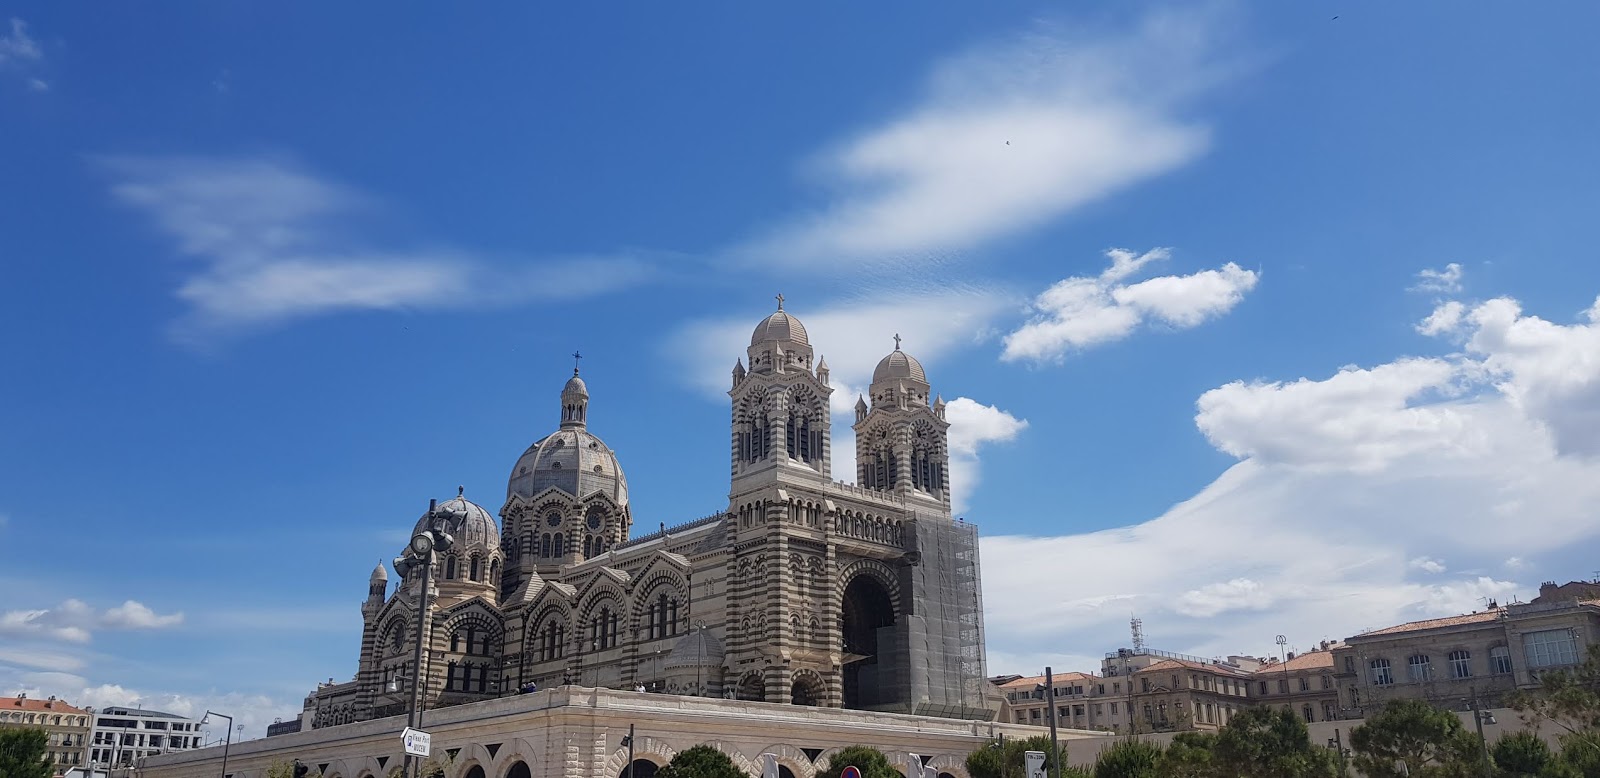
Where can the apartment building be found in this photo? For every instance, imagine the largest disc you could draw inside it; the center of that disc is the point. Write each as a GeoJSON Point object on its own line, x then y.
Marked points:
{"type": "Point", "coordinates": [66, 727]}
{"type": "Point", "coordinates": [1452, 661]}
{"type": "Point", "coordinates": [124, 735]}
{"type": "Point", "coordinates": [1076, 698]}
{"type": "Point", "coordinates": [1304, 684]}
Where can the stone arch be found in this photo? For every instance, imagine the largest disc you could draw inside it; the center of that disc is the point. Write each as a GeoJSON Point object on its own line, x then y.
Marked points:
{"type": "Point", "coordinates": [866, 608]}
{"type": "Point", "coordinates": [744, 763]}
{"type": "Point", "coordinates": [792, 758]}
{"type": "Point", "coordinates": [808, 688]}
{"type": "Point", "coordinates": [518, 768]}
{"type": "Point", "coordinates": [751, 687]}
{"type": "Point", "coordinates": [472, 755]}
{"type": "Point", "coordinates": [644, 747]}
{"type": "Point", "coordinates": [955, 767]}
{"type": "Point", "coordinates": [877, 569]}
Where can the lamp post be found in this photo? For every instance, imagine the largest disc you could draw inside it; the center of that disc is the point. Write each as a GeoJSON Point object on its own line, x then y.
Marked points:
{"type": "Point", "coordinates": [225, 743]}
{"type": "Point", "coordinates": [1478, 716]}
{"type": "Point", "coordinates": [421, 553]}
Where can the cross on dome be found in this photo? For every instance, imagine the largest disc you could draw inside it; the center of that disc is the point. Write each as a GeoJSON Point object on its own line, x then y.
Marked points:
{"type": "Point", "coordinates": [575, 357]}
{"type": "Point", "coordinates": [897, 341]}
{"type": "Point", "coordinates": [779, 298]}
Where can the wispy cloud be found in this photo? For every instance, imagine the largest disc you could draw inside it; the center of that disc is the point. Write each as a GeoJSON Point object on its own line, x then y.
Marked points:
{"type": "Point", "coordinates": [1446, 281]}
{"type": "Point", "coordinates": [18, 46]}
{"type": "Point", "coordinates": [74, 620]}
{"type": "Point", "coordinates": [273, 242]}
{"type": "Point", "coordinates": [1084, 311]}
{"type": "Point", "coordinates": [1010, 136]}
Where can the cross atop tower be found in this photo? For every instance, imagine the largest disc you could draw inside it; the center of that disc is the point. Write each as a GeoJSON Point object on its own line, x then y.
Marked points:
{"type": "Point", "coordinates": [575, 357]}
{"type": "Point", "coordinates": [897, 341]}
{"type": "Point", "coordinates": [779, 298]}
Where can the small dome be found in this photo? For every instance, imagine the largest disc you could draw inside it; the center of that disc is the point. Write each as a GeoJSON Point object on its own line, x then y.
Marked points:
{"type": "Point", "coordinates": [898, 365]}
{"type": "Point", "coordinates": [466, 521]}
{"type": "Point", "coordinates": [699, 648]}
{"type": "Point", "coordinates": [379, 574]}
{"type": "Point", "coordinates": [575, 385]}
{"type": "Point", "coordinates": [780, 326]}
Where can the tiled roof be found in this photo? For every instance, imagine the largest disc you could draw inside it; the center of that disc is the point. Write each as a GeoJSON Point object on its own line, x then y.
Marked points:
{"type": "Point", "coordinates": [1310, 660]}
{"type": "Point", "coordinates": [1448, 621]}
{"type": "Point", "coordinates": [1033, 681]}
{"type": "Point", "coordinates": [1175, 664]}
{"type": "Point", "coordinates": [28, 703]}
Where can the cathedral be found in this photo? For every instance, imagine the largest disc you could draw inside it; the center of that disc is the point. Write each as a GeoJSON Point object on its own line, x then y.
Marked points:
{"type": "Point", "coordinates": [804, 591]}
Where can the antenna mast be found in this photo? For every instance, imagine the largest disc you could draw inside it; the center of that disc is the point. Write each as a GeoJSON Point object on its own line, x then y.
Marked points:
{"type": "Point", "coordinates": [1137, 626]}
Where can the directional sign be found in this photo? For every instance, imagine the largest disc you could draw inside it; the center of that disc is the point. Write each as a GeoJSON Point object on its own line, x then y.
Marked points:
{"type": "Point", "coordinates": [418, 743]}
{"type": "Point", "coordinates": [850, 771]}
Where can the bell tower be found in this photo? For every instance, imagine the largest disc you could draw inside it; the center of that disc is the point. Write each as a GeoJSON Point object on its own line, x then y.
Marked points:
{"type": "Point", "coordinates": [902, 438]}
{"type": "Point", "coordinates": [780, 404]}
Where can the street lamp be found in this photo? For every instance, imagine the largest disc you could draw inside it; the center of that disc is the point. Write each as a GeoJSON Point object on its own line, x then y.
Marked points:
{"type": "Point", "coordinates": [226, 743]}
{"type": "Point", "coordinates": [421, 554]}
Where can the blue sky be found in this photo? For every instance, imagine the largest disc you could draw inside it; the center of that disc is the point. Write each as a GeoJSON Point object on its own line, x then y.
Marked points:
{"type": "Point", "coordinates": [1255, 318]}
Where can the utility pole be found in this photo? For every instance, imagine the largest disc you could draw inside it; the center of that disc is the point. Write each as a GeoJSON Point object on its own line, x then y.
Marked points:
{"type": "Point", "coordinates": [1050, 699]}
{"type": "Point", "coordinates": [1483, 743]}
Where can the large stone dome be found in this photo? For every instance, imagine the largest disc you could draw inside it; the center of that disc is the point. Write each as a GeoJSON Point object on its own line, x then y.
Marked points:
{"type": "Point", "coordinates": [899, 365]}
{"type": "Point", "coordinates": [466, 521]}
{"type": "Point", "coordinates": [572, 460]}
{"type": "Point", "coordinates": [699, 648]}
{"type": "Point", "coordinates": [780, 326]}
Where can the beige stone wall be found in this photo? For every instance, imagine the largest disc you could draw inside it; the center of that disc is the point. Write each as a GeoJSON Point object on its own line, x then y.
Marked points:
{"type": "Point", "coordinates": [576, 732]}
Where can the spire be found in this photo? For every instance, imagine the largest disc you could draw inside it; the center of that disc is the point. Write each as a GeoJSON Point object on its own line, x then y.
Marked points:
{"type": "Point", "coordinates": [861, 408]}
{"type": "Point", "coordinates": [822, 369]}
{"type": "Point", "coordinates": [738, 371]}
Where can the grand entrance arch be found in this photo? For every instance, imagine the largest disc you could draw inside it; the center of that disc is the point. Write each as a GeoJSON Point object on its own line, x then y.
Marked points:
{"type": "Point", "coordinates": [867, 608]}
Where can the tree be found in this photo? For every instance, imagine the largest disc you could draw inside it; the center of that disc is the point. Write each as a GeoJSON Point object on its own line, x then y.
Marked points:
{"type": "Point", "coordinates": [1430, 741]}
{"type": "Point", "coordinates": [1270, 743]}
{"type": "Point", "coordinates": [1569, 699]}
{"type": "Point", "coordinates": [701, 761]}
{"type": "Point", "coordinates": [22, 754]}
{"type": "Point", "coordinates": [1521, 754]}
{"type": "Point", "coordinates": [1189, 755]}
{"type": "Point", "coordinates": [1005, 759]}
{"type": "Point", "coordinates": [1129, 759]}
{"type": "Point", "coordinates": [870, 761]}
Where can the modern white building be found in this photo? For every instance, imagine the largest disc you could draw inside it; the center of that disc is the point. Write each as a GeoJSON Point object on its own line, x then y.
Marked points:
{"type": "Point", "coordinates": [124, 735]}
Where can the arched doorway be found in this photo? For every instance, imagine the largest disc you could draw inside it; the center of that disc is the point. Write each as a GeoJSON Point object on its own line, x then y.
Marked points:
{"type": "Point", "coordinates": [752, 689]}
{"type": "Point", "coordinates": [866, 609]}
{"type": "Point", "coordinates": [475, 772]}
{"type": "Point", "coordinates": [806, 690]}
{"type": "Point", "coordinates": [946, 775]}
{"type": "Point", "coordinates": [784, 771]}
{"type": "Point", "coordinates": [519, 770]}
{"type": "Point", "coordinates": [642, 768]}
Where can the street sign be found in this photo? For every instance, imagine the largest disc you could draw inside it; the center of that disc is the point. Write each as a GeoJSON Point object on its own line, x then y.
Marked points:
{"type": "Point", "coordinates": [418, 743]}
{"type": "Point", "coordinates": [1035, 763]}
{"type": "Point", "coordinates": [850, 771]}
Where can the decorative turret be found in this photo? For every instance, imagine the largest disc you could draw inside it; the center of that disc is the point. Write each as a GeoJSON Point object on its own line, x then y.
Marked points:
{"type": "Point", "coordinates": [861, 407]}
{"type": "Point", "coordinates": [779, 344]}
{"type": "Point", "coordinates": [575, 398]}
{"type": "Point", "coordinates": [822, 369]}
{"type": "Point", "coordinates": [780, 407]}
{"type": "Point", "coordinates": [378, 583]}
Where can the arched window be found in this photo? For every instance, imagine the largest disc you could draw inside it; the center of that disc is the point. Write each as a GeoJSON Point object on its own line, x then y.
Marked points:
{"type": "Point", "coordinates": [494, 570]}
{"type": "Point", "coordinates": [1381, 676]}
{"type": "Point", "coordinates": [474, 572]}
{"type": "Point", "coordinates": [1460, 664]}
{"type": "Point", "coordinates": [1305, 710]}
{"type": "Point", "coordinates": [1419, 667]}
{"type": "Point", "coordinates": [560, 542]}
{"type": "Point", "coordinates": [544, 545]}
{"type": "Point", "coordinates": [450, 568]}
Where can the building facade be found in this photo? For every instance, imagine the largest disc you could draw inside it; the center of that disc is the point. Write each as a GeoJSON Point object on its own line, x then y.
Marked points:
{"type": "Point", "coordinates": [122, 736]}
{"type": "Point", "coordinates": [801, 590]}
{"type": "Point", "coordinates": [1456, 662]}
{"type": "Point", "coordinates": [1304, 684]}
{"type": "Point", "coordinates": [66, 727]}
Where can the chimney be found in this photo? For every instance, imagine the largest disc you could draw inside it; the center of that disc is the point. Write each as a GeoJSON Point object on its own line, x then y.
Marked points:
{"type": "Point", "coordinates": [1291, 655]}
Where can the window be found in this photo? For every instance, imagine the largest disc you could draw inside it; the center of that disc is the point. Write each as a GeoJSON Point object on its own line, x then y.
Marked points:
{"type": "Point", "coordinates": [1263, 687]}
{"type": "Point", "coordinates": [1113, 709]}
{"type": "Point", "coordinates": [1061, 713]}
{"type": "Point", "coordinates": [475, 567]}
{"type": "Point", "coordinates": [1460, 664]}
{"type": "Point", "coordinates": [1077, 710]}
{"type": "Point", "coordinates": [1355, 698]}
{"type": "Point", "coordinates": [1419, 667]}
{"type": "Point", "coordinates": [1034, 714]}
{"type": "Point", "coordinates": [1306, 712]}
{"type": "Point", "coordinates": [1500, 660]}
{"type": "Point", "coordinates": [1350, 664]}
{"type": "Point", "coordinates": [1550, 648]}
{"type": "Point", "coordinates": [449, 568]}
{"type": "Point", "coordinates": [1327, 682]}
{"type": "Point", "coordinates": [1305, 684]}
{"type": "Point", "coordinates": [1327, 711]}
{"type": "Point", "coordinates": [1380, 672]}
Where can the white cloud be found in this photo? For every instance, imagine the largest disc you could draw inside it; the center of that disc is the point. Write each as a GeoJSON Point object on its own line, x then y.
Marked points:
{"type": "Point", "coordinates": [1081, 311]}
{"type": "Point", "coordinates": [1445, 320]}
{"type": "Point", "coordinates": [251, 711]}
{"type": "Point", "coordinates": [1010, 136]}
{"type": "Point", "coordinates": [274, 243]}
{"type": "Point", "coordinates": [972, 426]}
{"type": "Point", "coordinates": [1446, 281]}
{"type": "Point", "coordinates": [1351, 491]}
{"type": "Point", "coordinates": [74, 620]}
{"type": "Point", "coordinates": [17, 46]}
